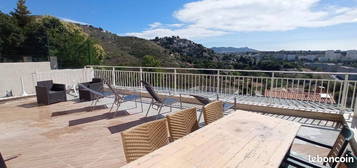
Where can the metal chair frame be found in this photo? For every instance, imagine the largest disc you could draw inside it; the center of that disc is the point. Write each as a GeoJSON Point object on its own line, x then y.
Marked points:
{"type": "Point", "coordinates": [118, 99]}
{"type": "Point", "coordinates": [97, 95]}
{"type": "Point", "coordinates": [157, 101]}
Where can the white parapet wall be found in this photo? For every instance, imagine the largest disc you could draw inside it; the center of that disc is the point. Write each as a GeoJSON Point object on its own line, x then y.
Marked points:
{"type": "Point", "coordinates": [69, 77]}
{"type": "Point", "coordinates": [21, 78]}
{"type": "Point", "coordinates": [11, 74]}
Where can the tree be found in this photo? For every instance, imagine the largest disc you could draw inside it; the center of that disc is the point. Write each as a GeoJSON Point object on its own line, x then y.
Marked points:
{"type": "Point", "coordinates": [11, 37]}
{"type": "Point", "coordinates": [68, 42]}
{"type": "Point", "coordinates": [45, 36]}
{"type": "Point", "coordinates": [21, 14]}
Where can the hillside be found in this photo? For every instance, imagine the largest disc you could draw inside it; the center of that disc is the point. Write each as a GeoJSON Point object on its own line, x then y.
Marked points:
{"type": "Point", "coordinates": [121, 50]}
{"type": "Point", "coordinates": [193, 54]}
{"type": "Point", "coordinates": [170, 51]}
{"type": "Point", "coordinates": [232, 49]}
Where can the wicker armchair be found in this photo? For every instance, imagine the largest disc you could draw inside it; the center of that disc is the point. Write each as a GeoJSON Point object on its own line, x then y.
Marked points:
{"type": "Point", "coordinates": [48, 92]}
{"type": "Point", "coordinates": [145, 138]}
{"type": "Point", "coordinates": [212, 112]}
{"type": "Point", "coordinates": [182, 123]}
{"type": "Point", "coordinates": [96, 84]}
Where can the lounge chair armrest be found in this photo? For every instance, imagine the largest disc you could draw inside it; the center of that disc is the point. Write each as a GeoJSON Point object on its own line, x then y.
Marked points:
{"type": "Point", "coordinates": [42, 94]}
{"type": "Point", "coordinates": [313, 142]}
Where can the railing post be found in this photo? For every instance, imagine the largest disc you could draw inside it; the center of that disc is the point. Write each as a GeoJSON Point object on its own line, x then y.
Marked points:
{"type": "Point", "coordinates": [175, 81]}
{"type": "Point", "coordinates": [271, 88]}
{"type": "Point", "coordinates": [218, 80]}
{"type": "Point", "coordinates": [272, 82]}
{"type": "Point", "coordinates": [344, 93]}
{"type": "Point", "coordinates": [92, 74]}
{"type": "Point", "coordinates": [113, 76]}
{"type": "Point", "coordinates": [141, 78]}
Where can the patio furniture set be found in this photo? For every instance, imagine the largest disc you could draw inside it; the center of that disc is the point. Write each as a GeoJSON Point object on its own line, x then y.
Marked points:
{"type": "Point", "coordinates": [48, 92]}
{"type": "Point", "coordinates": [157, 132]}
{"type": "Point", "coordinates": [150, 143]}
{"type": "Point", "coordinates": [267, 141]}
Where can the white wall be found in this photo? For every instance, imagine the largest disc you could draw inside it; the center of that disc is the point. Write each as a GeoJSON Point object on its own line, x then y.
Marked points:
{"type": "Point", "coordinates": [31, 72]}
{"type": "Point", "coordinates": [11, 73]}
{"type": "Point", "coordinates": [66, 76]}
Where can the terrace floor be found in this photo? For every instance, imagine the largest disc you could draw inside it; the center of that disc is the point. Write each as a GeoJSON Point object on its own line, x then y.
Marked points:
{"type": "Point", "coordinates": [66, 135]}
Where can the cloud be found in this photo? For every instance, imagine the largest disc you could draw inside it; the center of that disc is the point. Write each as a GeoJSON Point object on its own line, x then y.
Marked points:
{"type": "Point", "coordinates": [187, 32]}
{"type": "Point", "coordinates": [207, 18]}
{"type": "Point", "coordinates": [73, 21]}
{"type": "Point", "coordinates": [160, 25]}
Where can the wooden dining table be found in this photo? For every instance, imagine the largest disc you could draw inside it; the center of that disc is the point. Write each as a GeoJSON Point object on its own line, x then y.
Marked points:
{"type": "Point", "coordinates": [241, 139]}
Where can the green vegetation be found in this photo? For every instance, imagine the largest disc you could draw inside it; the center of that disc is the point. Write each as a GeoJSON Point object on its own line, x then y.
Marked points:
{"type": "Point", "coordinates": [150, 61]}
{"type": "Point", "coordinates": [11, 35]}
{"type": "Point", "coordinates": [130, 51]}
{"type": "Point", "coordinates": [22, 14]}
{"type": "Point", "coordinates": [190, 53]}
{"type": "Point", "coordinates": [40, 37]}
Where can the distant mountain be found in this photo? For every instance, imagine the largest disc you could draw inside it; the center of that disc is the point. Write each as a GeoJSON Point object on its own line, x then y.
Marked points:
{"type": "Point", "coordinates": [170, 51]}
{"type": "Point", "coordinates": [232, 49]}
{"type": "Point", "coordinates": [191, 53]}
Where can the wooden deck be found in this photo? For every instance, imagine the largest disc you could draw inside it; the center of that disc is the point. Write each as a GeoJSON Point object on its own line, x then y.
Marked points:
{"type": "Point", "coordinates": [62, 135]}
{"type": "Point", "coordinates": [66, 135]}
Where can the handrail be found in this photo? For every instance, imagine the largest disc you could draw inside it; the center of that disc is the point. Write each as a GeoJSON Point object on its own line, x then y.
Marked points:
{"type": "Point", "coordinates": [340, 93]}
{"type": "Point", "coordinates": [227, 70]}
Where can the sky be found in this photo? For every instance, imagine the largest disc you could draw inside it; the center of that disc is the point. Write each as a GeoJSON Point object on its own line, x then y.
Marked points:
{"type": "Point", "coordinates": [258, 24]}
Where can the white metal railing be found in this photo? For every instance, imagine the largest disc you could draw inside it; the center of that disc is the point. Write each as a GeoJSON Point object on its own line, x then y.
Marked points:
{"type": "Point", "coordinates": [326, 89]}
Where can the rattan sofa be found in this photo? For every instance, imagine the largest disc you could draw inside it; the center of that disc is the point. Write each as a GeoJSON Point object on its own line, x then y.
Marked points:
{"type": "Point", "coordinates": [96, 84]}
{"type": "Point", "coordinates": [48, 92]}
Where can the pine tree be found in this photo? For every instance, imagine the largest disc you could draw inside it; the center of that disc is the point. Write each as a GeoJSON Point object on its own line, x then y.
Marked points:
{"type": "Point", "coordinates": [11, 37]}
{"type": "Point", "coordinates": [21, 13]}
